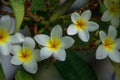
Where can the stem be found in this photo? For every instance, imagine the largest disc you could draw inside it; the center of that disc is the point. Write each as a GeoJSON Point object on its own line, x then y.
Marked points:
{"type": "Point", "coordinates": [61, 10]}
{"type": "Point", "coordinates": [117, 69]}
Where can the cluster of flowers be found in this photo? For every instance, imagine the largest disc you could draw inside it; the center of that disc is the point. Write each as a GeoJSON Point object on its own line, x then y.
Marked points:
{"type": "Point", "coordinates": [22, 49]}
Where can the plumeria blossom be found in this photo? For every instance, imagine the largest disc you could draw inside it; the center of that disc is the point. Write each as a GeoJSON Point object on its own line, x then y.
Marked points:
{"type": "Point", "coordinates": [110, 45]}
{"type": "Point", "coordinates": [112, 13]}
{"type": "Point", "coordinates": [26, 55]}
{"type": "Point", "coordinates": [54, 45]}
{"type": "Point", "coordinates": [82, 25]}
{"type": "Point", "coordinates": [6, 40]}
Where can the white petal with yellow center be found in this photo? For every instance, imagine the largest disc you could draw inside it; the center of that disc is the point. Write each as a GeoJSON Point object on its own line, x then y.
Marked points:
{"type": "Point", "coordinates": [82, 25]}
{"type": "Point", "coordinates": [26, 55]}
{"type": "Point", "coordinates": [110, 46]}
{"type": "Point", "coordinates": [4, 36]}
{"type": "Point", "coordinates": [55, 45]}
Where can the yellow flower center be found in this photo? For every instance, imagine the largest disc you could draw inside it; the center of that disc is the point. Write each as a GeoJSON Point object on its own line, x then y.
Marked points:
{"type": "Point", "coordinates": [114, 10]}
{"type": "Point", "coordinates": [25, 55]}
{"type": "Point", "coordinates": [81, 24]}
{"type": "Point", "coordinates": [4, 36]}
{"type": "Point", "coordinates": [109, 44]}
{"type": "Point", "coordinates": [54, 44]}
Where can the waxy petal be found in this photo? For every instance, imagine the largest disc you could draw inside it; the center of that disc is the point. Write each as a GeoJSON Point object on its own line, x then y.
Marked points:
{"type": "Point", "coordinates": [56, 31]}
{"type": "Point", "coordinates": [86, 15]}
{"type": "Point", "coordinates": [102, 35]}
{"type": "Point", "coordinates": [75, 16]}
{"type": "Point", "coordinates": [72, 30]}
{"type": "Point", "coordinates": [45, 53]}
{"type": "Point", "coordinates": [42, 39]}
{"type": "Point", "coordinates": [92, 26]}
{"type": "Point", "coordinates": [83, 35]}
{"type": "Point", "coordinates": [60, 55]}
{"type": "Point", "coordinates": [31, 66]}
{"type": "Point", "coordinates": [29, 42]}
{"type": "Point", "coordinates": [15, 60]}
{"type": "Point", "coordinates": [115, 56]}
{"type": "Point", "coordinates": [106, 16]}
{"type": "Point", "coordinates": [112, 32]}
{"type": "Point", "coordinates": [101, 53]}
{"type": "Point", "coordinates": [67, 42]}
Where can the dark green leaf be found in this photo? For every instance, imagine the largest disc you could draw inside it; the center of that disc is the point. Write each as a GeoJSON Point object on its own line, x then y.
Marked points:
{"type": "Point", "coordinates": [2, 77]}
{"type": "Point", "coordinates": [74, 68]}
{"type": "Point", "coordinates": [21, 75]}
{"type": "Point", "coordinates": [38, 5]}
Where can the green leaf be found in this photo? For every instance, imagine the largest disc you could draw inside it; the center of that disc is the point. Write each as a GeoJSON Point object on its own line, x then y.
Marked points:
{"type": "Point", "coordinates": [2, 76]}
{"type": "Point", "coordinates": [19, 10]}
{"type": "Point", "coordinates": [38, 5]}
{"type": "Point", "coordinates": [21, 75]}
{"type": "Point", "coordinates": [74, 68]}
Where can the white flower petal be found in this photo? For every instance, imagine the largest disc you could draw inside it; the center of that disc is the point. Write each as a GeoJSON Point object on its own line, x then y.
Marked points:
{"type": "Point", "coordinates": [115, 56]}
{"type": "Point", "coordinates": [102, 35]}
{"type": "Point", "coordinates": [6, 22]}
{"type": "Point", "coordinates": [37, 55]}
{"type": "Point", "coordinates": [101, 53]}
{"type": "Point", "coordinates": [5, 49]}
{"type": "Point", "coordinates": [12, 27]}
{"type": "Point", "coordinates": [75, 16]}
{"type": "Point", "coordinates": [92, 26]}
{"type": "Point", "coordinates": [112, 32]}
{"type": "Point", "coordinates": [60, 55]}
{"type": "Point", "coordinates": [67, 42]}
{"type": "Point", "coordinates": [106, 16]}
{"type": "Point", "coordinates": [83, 35]}
{"type": "Point", "coordinates": [42, 39]}
{"type": "Point", "coordinates": [29, 42]}
{"type": "Point", "coordinates": [31, 67]}
{"type": "Point", "coordinates": [117, 42]}
{"type": "Point", "coordinates": [86, 15]}
{"type": "Point", "coordinates": [56, 31]}
{"type": "Point", "coordinates": [15, 60]}
{"type": "Point", "coordinates": [115, 21]}
{"type": "Point", "coordinates": [45, 53]}
{"type": "Point", "coordinates": [17, 38]}
{"type": "Point", "coordinates": [15, 49]}
{"type": "Point", "coordinates": [72, 30]}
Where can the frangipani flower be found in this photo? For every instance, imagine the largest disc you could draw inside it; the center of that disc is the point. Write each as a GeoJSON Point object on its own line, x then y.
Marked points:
{"type": "Point", "coordinates": [26, 55]}
{"type": "Point", "coordinates": [110, 45]}
{"type": "Point", "coordinates": [55, 44]}
{"type": "Point", "coordinates": [82, 25]}
{"type": "Point", "coordinates": [5, 38]}
{"type": "Point", "coordinates": [112, 13]}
